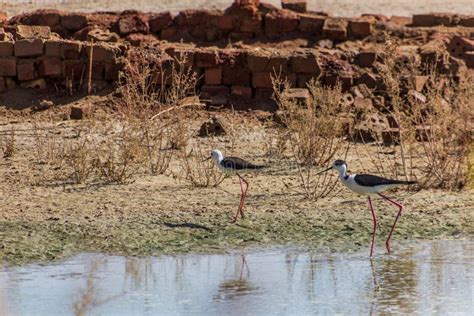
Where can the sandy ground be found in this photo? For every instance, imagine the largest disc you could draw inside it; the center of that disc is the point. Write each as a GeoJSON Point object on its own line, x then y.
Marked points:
{"type": "Point", "coordinates": [164, 214]}
{"type": "Point", "coordinates": [338, 7]}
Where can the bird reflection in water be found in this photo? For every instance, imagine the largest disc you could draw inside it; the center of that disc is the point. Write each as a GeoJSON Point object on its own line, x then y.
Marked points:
{"type": "Point", "coordinates": [238, 286]}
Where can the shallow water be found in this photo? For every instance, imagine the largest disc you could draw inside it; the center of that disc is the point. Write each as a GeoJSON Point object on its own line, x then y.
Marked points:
{"type": "Point", "coordinates": [423, 278]}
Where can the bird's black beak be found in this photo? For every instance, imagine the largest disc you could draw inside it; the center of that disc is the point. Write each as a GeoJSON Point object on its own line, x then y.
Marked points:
{"type": "Point", "coordinates": [324, 170]}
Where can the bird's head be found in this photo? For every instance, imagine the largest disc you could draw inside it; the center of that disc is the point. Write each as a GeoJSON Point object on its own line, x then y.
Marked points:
{"type": "Point", "coordinates": [339, 165]}
{"type": "Point", "coordinates": [216, 155]}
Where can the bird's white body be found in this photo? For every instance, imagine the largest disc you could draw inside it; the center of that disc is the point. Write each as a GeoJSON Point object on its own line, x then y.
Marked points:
{"type": "Point", "coordinates": [350, 182]}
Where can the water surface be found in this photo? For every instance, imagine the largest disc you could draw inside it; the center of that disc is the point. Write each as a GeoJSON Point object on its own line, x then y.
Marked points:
{"type": "Point", "coordinates": [423, 278]}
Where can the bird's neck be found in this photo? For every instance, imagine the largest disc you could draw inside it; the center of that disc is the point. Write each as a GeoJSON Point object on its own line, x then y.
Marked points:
{"type": "Point", "coordinates": [342, 173]}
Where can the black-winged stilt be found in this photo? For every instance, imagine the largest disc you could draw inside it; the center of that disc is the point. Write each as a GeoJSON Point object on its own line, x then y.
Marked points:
{"type": "Point", "coordinates": [235, 165]}
{"type": "Point", "coordinates": [368, 184]}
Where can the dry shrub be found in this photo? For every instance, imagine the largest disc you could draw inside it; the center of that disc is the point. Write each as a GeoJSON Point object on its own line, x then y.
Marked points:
{"type": "Point", "coordinates": [79, 157]}
{"type": "Point", "coordinates": [314, 133]}
{"type": "Point", "coordinates": [197, 169]}
{"type": "Point", "coordinates": [7, 143]}
{"type": "Point", "coordinates": [446, 136]}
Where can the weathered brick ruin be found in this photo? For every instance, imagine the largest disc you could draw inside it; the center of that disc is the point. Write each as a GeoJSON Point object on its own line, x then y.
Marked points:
{"type": "Point", "coordinates": [236, 50]}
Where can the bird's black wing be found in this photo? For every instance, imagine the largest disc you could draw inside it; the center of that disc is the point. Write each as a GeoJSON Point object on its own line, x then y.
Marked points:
{"type": "Point", "coordinates": [236, 163]}
{"type": "Point", "coordinates": [368, 180]}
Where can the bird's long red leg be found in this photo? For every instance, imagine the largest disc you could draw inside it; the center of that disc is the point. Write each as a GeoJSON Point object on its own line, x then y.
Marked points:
{"type": "Point", "coordinates": [375, 226]}
{"type": "Point", "coordinates": [400, 207]}
{"type": "Point", "coordinates": [239, 210]}
{"type": "Point", "coordinates": [244, 195]}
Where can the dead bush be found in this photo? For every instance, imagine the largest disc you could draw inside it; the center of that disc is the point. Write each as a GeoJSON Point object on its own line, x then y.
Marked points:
{"type": "Point", "coordinates": [8, 143]}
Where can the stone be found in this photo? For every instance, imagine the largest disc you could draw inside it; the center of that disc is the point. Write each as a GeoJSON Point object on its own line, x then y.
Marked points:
{"type": "Point", "coordinates": [73, 21]}
{"type": "Point", "coordinates": [26, 69]}
{"type": "Point", "coordinates": [416, 97]}
{"type": "Point", "coordinates": [224, 23]}
{"type": "Point", "coordinates": [32, 32]}
{"type": "Point", "coordinates": [369, 79]}
{"type": "Point", "coordinates": [420, 82]}
{"type": "Point", "coordinates": [294, 5]}
{"type": "Point", "coordinates": [213, 76]}
{"type": "Point", "coordinates": [8, 66]}
{"type": "Point", "coordinates": [28, 48]}
{"type": "Point", "coordinates": [467, 21]}
{"type": "Point", "coordinates": [469, 59]}
{"type": "Point", "coordinates": [6, 49]}
{"type": "Point", "coordinates": [103, 52]}
{"type": "Point", "coordinates": [458, 46]}
{"type": "Point", "coordinates": [80, 112]}
{"type": "Point", "coordinates": [212, 127]}
{"type": "Point", "coordinates": [99, 35]}
{"type": "Point", "coordinates": [49, 66]}
{"type": "Point", "coordinates": [160, 21]}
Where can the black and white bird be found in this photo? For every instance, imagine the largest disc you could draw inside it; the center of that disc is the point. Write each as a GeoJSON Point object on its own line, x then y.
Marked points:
{"type": "Point", "coordinates": [235, 165]}
{"type": "Point", "coordinates": [367, 184]}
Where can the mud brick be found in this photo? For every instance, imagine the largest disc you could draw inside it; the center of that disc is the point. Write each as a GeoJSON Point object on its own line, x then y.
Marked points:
{"type": "Point", "coordinates": [294, 5]}
{"type": "Point", "coordinates": [28, 48]}
{"type": "Point", "coordinates": [469, 58]}
{"type": "Point", "coordinates": [458, 46]}
{"type": "Point", "coordinates": [335, 29]}
{"type": "Point", "coordinates": [169, 33]}
{"type": "Point", "coordinates": [391, 136]}
{"type": "Point", "coordinates": [103, 52]}
{"type": "Point", "coordinates": [311, 24]}
{"type": "Point", "coordinates": [300, 95]}
{"type": "Point", "coordinates": [207, 59]}
{"type": "Point", "coordinates": [280, 22]}
{"type": "Point", "coordinates": [401, 20]}
{"type": "Point", "coordinates": [160, 21]}
{"type": "Point", "coordinates": [307, 63]}
{"type": "Point", "coordinates": [71, 50]}
{"type": "Point", "coordinates": [32, 31]}
{"type": "Point", "coordinates": [80, 112]}
{"type": "Point", "coordinates": [245, 92]}
{"type": "Point", "coordinates": [361, 28]}
{"type": "Point", "coordinates": [236, 76]}
{"type": "Point", "coordinates": [467, 21]}
{"type": "Point", "coordinates": [432, 19]}
{"type": "Point", "coordinates": [3, 87]}
{"type": "Point", "coordinates": [365, 59]}
{"type": "Point", "coordinates": [129, 24]}
{"type": "Point", "coordinates": [6, 49]}
{"type": "Point", "coordinates": [112, 70]}
{"type": "Point", "coordinates": [263, 93]}
{"type": "Point", "coordinates": [73, 68]}
{"type": "Point", "coordinates": [262, 80]}
{"type": "Point", "coordinates": [363, 105]}
{"type": "Point", "coordinates": [369, 79]}
{"type": "Point", "coordinates": [216, 95]}
{"type": "Point", "coordinates": [302, 80]}
{"type": "Point", "coordinates": [49, 66]}
{"type": "Point", "coordinates": [213, 76]}
{"type": "Point", "coordinates": [52, 48]}
{"type": "Point", "coordinates": [250, 26]}
{"type": "Point", "coordinates": [259, 63]}
{"type": "Point", "coordinates": [73, 21]}
{"type": "Point", "coordinates": [8, 66]}
{"type": "Point", "coordinates": [224, 22]}
{"type": "Point", "coordinates": [26, 69]}
{"type": "Point", "coordinates": [98, 71]}
{"type": "Point", "coordinates": [191, 17]}
{"type": "Point", "coordinates": [344, 79]}
{"type": "Point", "coordinates": [44, 17]}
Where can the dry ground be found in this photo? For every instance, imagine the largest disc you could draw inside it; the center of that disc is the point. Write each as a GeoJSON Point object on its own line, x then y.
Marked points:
{"type": "Point", "coordinates": [338, 8]}
{"type": "Point", "coordinates": [165, 214]}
